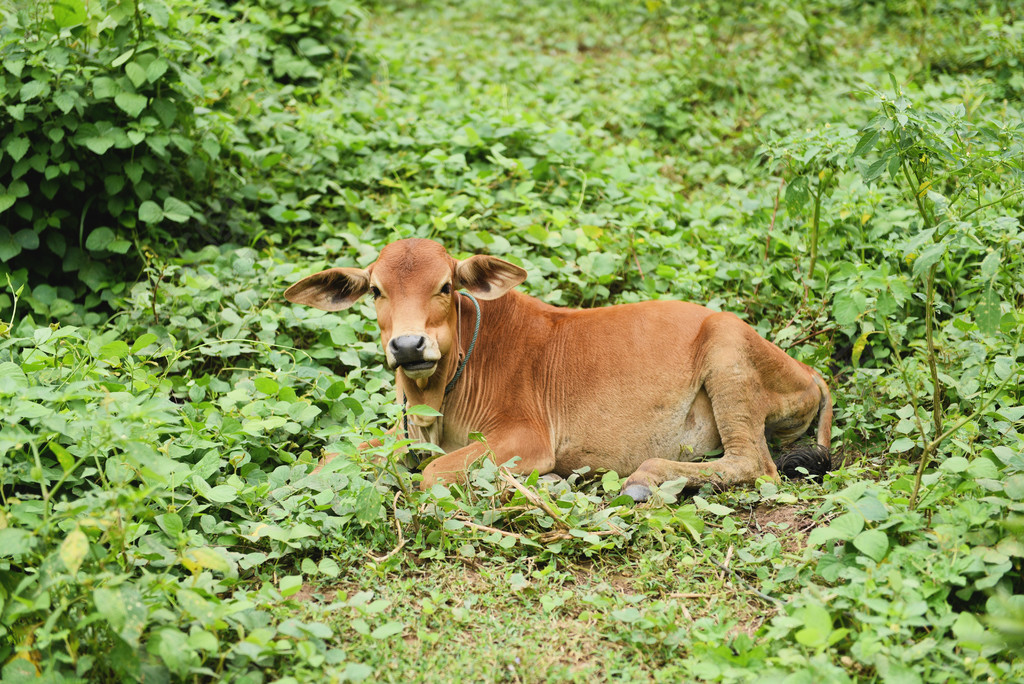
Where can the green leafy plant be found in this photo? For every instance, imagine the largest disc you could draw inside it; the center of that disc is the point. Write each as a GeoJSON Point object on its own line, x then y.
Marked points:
{"type": "Point", "coordinates": [159, 518]}
{"type": "Point", "coordinates": [100, 135]}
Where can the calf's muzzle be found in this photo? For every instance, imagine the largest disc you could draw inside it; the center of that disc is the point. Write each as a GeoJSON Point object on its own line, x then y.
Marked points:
{"type": "Point", "coordinates": [410, 352]}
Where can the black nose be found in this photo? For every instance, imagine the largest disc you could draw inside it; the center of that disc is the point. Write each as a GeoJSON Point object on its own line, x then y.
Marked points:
{"type": "Point", "coordinates": [407, 349]}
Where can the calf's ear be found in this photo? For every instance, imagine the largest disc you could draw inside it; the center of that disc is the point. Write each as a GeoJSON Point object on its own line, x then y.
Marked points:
{"type": "Point", "coordinates": [487, 277]}
{"type": "Point", "coordinates": [335, 289]}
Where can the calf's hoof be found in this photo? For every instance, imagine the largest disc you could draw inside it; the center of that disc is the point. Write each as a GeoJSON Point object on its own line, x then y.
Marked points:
{"type": "Point", "coordinates": [637, 492]}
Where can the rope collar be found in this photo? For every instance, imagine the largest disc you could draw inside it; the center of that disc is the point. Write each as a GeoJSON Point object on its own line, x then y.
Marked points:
{"type": "Point", "coordinates": [472, 343]}
{"type": "Point", "coordinates": [458, 371]}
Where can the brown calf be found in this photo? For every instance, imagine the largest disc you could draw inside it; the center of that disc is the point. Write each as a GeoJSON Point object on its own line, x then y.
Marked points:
{"type": "Point", "coordinates": [640, 389]}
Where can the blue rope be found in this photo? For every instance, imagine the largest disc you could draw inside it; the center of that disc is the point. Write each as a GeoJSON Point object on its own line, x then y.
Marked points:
{"type": "Point", "coordinates": [458, 372]}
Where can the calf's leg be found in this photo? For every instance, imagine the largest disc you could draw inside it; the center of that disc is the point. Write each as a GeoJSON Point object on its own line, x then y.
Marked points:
{"type": "Point", "coordinates": [531, 446]}
{"type": "Point", "coordinates": [751, 383]}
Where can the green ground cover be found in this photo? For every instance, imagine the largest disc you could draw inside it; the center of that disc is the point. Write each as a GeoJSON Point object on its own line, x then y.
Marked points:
{"type": "Point", "coordinates": [848, 177]}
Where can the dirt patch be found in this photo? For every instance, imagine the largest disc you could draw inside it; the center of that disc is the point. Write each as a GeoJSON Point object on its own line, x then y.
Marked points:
{"type": "Point", "coordinates": [623, 584]}
{"type": "Point", "coordinates": [790, 524]}
{"type": "Point", "coordinates": [312, 592]}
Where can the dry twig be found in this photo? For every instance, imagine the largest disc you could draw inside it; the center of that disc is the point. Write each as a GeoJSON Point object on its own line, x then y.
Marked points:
{"type": "Point", "coordinates": [401, 538]}
{"type": "Point", "coordinates": [485, 528]}
{"type": "Point", "coordinates": [531, 497]}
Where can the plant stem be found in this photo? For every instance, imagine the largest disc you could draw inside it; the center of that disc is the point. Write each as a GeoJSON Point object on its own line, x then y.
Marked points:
{"type": "Point", "coordinates": [929, 324]}
{"type": "Point", "coordinates": [927, 449]}
{"type": "Point", "coordinates": [989, 204]}
{"type": "Point", "coordinates": [822, 182]}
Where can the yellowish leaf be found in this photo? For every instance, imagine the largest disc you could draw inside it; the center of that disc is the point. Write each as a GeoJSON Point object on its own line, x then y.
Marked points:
{"type": "Point", "coordinates": [73, 549]}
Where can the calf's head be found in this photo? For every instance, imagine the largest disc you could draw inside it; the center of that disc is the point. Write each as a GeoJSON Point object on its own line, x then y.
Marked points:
{"type": "Point", "coordinates": [413, 284]}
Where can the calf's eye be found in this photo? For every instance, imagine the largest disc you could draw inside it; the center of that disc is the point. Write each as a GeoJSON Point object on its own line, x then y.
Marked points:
{"type": "Point", "coordinates": [374, 291]}
{"type": "Point", "coordinates": [446, 288]}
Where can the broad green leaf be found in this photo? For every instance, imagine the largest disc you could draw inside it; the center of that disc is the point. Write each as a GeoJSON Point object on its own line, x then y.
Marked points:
{"type": "Point", "coordinates": [628, 615]}
{"type": "Point", "coordinates": [969, 632]}
{"type": "Point", "coordinates": [221, 494]}
{"type": "Point", "coordinates": [136, 74]}
{"type": "Point", "coordinates": [955, 464]}
{"type": "Point", "coordinates": [15, 541]}
{"type": "Point", "coordinates": [64, 457]}
{"type": "Point", "coordinates": [124, 611]}
{"type": "Point", "coordinates": [142, 342]}
{"type": "Point", "coordinates": [176, 210]}
{"type": "Point", "coordinates": [797, 195]}
{"type": "Point", "coordinates": [876, 169]}
{"type": "Point", "coordinates": [386, 630]}
{"type": "Point", "coordinates": [422, 410]}
{"type": "Point", "coordinates": [902, 444]}
{"type": "Point", "coordinates": [170, 643]}
{"type": "Point", "coordinates": [203, 640]}
{"type": "Point", "coordinates": [14, 65]}
{"type": "Point", "coordinates": [130, 103]}
{"type": "Point", "coordinates": [871, 508]}
{"type": "Point", "coordinates": [104, 87]}
{"type": "Point", "coordinates": [336, 390]}
{"type": "Point", "coordinates": [368, 505]}
{"type": "Point", "coordinates": [988, 312]}
{"type": "Point", "coordinates": [1014, 487]}
{"type": "Point", "coordinates": [99, 239]}
{"type": "Point", "coordinates": [166, 110]}
{"type": "Point", "coordinates": [356, 672]}
{"type": "Point", "coordinates": [845, 527]}
{"type": "Point", "coordinates": [156, 69]}
{"type": "Point", "coordinates": [23, 408]}
{"type": "Point", "coordinates": [304, 413]}
{"type": "Point", "coordinates": [982, 468]}
{"type": "Point", "coordinates": [266, 385]}
{"type": "Point", "coordinates": [68, 13]}
{"type": "Point", "coordinates": [108, 603]}
{"type": "Point", "coordinates": [122, 58]}
{"type": "Point", "coordinates": [990, 265]}
{"type": "Point", "coordinates": [848, 306]}
{"type": "Point", "coordinates": [928, 257]}
{"type": "Point", "coordinates": [817, 628]}
{"type": "Point", "coordinates": [12, 379]}
{"type": "Point", "coordinates": [27, 238]}
{"type": "Point", "coordinates": [290, 585]}
{"type": "Point", "coordinates": [17, 148]}
{"type": "Point", "coordinates": [797, 18]}
{"type": "Point", "coordinates": [98, 143]}
{"type": "Point", "coordinates": [329, 567]}
{"type": "Point", "coordinates": [150, 212]}
{"type": "Point", "coordinates": [599, 265]}
{"type": "Point", "coordinates": [873, 544]}
{"type": "Point", "coordinates": [171, 524]}
{"type": "Point", "coordinates": [33, 89]}
{"type": "Point", "coordinates": [113, 350]}
{"type": "Point", "coordinates": [866, 143]}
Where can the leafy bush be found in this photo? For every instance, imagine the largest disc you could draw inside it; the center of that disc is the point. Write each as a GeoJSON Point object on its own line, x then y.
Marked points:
{"type": "Point", "coordinates": [101, 143]}
{"type": "Point", "coordinates": [118, 134]}
{"type": "Point", "coordinates": [304, 35]}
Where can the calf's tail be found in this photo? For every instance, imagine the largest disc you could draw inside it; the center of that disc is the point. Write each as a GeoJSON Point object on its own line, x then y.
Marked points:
{"type": "Point", "coordinates": [815, 459]}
